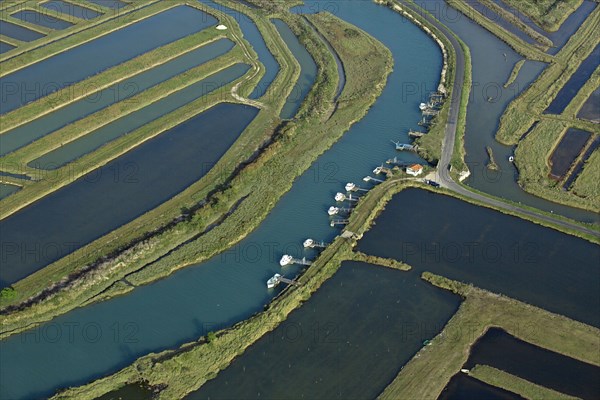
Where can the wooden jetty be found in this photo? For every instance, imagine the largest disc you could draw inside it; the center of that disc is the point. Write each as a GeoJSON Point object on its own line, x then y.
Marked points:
{"type": "Point", "coordinates": [339, 222]}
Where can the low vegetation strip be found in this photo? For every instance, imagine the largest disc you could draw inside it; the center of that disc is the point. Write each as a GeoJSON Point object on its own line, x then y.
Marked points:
{"type": "Point", "coordinates": [262, 166]}
{"type": "Point", "coordinates": [60, 41]}
{"type": "Point", "coordinates": [187, 368]}
{"type": "Point", "coordinates": [518, 44]}
{"type": "Point", "coordinates": [547, 14]}
{"type": "Point", "coordinates": [384, 262]}
{"type": "Point", "coordinates": [522, 112]}
{"type": "Point", "coordinates": [513, 19]}
{"type": "Point", "coordinates": [426, 375]}
{"type": "Point", "coordinates": [522, 387]}
{"type": "Point", "coordinates": [119, 73]}
{"type": "Point", "coordinates": [48, 182]}
{"type": "Point", "coordinates": [514, 73]}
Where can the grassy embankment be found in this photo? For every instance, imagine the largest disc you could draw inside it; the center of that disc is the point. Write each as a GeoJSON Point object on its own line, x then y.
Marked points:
{"type": "Point", "coordinates": [586, 184]}
{"type": "Point", "coordinates": [187, 368]}
{"type": "Point", "coordinates": [519, 45]}
{"type": "Point", "coordinates": [201, 361]}
{"type": "Point", "coordinates": [514, 73]}
{"type": "Point", "coordinates": [16, 161]}
{"type": "Point", "coordinates": [255, 180]}
{"type": "Point", "coordinates": [81, 32]}
{"type": "Point", "coordinates": [534, 149]}
{"type": "Point", "coordinates": [95, 83]}
{"type": "Point", "coordinates": [87, 271]}
{"type": "Point", "coordinates": [495, 377]}
{"type": "Point", "coordinates": [522, 112]}
{"type": "Point", "coordinates": [514, 20]}
{"type": "Point", "coordinates": [547, 14]}
{"type": "Point", "coordinates": [532, 158]}
{"type": "Point", "coordinates": [426, 374]}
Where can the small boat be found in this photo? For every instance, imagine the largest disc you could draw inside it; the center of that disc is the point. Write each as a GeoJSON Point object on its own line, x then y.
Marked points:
{"type": "Point", "coordinates": [286, 260]}
{"type": "Point", "coordinates": [464, 371]}
{"type": "Point", "coordinates": [340, 196]}
{"type": "Point", "coordinates": [511, 158]}
{"type": "Point", "coordinates": [350, 187]}
{"type": "Point", "coordinates": [273, 281]}
{"type": "Point", "coordinates": [404, 146]}
{"type": "Point", "coordinates": [423, 106]}
{"type": "Point", "coordinates": [308, 243]}
{"type": "Point", "coordinates": [333, 210]}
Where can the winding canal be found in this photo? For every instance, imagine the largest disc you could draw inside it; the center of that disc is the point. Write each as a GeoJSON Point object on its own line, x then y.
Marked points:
{"type": "Point", "coordinates": [230, 287]}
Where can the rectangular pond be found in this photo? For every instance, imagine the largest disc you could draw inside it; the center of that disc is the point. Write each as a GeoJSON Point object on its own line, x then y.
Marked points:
{"type": "Point", "coordinates": [348, 340]}
{"type": "Point", "coordinates": [491, 250]}
{"type": "Point", "coordinates": [591, 108]}
{"type": "Point", "coordinates": [74, 10]}
{"type": "Point", "coordinates": [118, 192]}
{"type": "Point", "coordinates": [253, 36]}
{"type": "Point", "coordinates": [47, 76]}
{"type": "Point", "coordinates": [581, 163]}
{"type": "Point", "coordinates": [114, 4]}
{"type": "Point", "coordinates": [19, 32]}
{"type": "Point", "coordinates": [4, 47]}
{"type": "Point", "coordinates": [575, 83]}
{"type": "Point", "coordinates": [130, 122]}
{"type": "Point", "coordinates": [567, 150]}
{"type": "Point", "coordinates": [308, 70]}
{"type": "Point", "coordinates": [118, 92]}
{"type": "Point", "coordinates": [38, 18]}
{"type": "Point", "coordinates": [560, 37]}
{"type": "Point", "coordinates": [7, 189]}
{"type": "Point", "coordinates": [464, 387]}
{"type": "Point", "coordinates": [546, 368]}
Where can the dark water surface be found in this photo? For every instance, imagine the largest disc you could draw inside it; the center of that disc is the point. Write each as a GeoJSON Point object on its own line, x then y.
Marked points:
{"type": "Point", "coordinates": [4, 47]}
{"type": "Point", "coordinates": [253, 36]}
{"type": "Point", "coordinates": [98, 100]}
{"type": "Point", "coordinates": [567, 150]}
{"type": "Point", "coordinates": [74, 10]}
{"type": "Point", "coordinates": [6, 190]}
{"type": "Point", "coordinates": [494, 251]}
{"type": "Point", "coordinates": [42, 78]}
{"type": "Point", "coordinates": [41, 19]}
{"type": "Point", "coordinates": [591, 108]}
{"type": "Point", "coordinates": [347, 342]}
{"type": "Point", "coordinates": [19, 32]}
{"type": "Point", "coordinates": [231, 286]}
{"type": "Point", "coordinates": [575, 83]}
{"type": "Point", "coordinates": [118, 192]}
{"type": "Point", "coordinates": [130, 122]}
{"type": "Point", "coordinates": [546, 368]}
{"type": "Point", "coordinates": [463, 387]}
{"type": "Point", "coordinates": [308, 70]}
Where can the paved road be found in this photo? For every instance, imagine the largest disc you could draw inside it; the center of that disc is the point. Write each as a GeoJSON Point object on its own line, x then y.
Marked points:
{"type": "Point", "coordinates": [442, 174]}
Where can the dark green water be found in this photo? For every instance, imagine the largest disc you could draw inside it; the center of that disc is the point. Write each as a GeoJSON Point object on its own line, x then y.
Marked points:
{"type": "Point", "coordinates": [42, 19]}
{"type": "Point", "coordinates": [6, 190]}
{"type": "Point", "coordinates": [129, 123]}
{"type": "Point", "coordinates": [347, 342]}
{"type": "Point", "coordinates": [546, 368]}
{"type": "Point", "coordinates": [45, 77]}
{"type": "Point", "coordinates": [500, 253]}
{"type": "Point", "coordinates": [118, 92]}
{"type": "Point", "coordinates": [308, 70]}
{"type": "Point", "coordinates": [19, 32]}
{"type": "Point", "coordinates": [463, 387]}
{"type": "Point", "coordinates": [117, 192]}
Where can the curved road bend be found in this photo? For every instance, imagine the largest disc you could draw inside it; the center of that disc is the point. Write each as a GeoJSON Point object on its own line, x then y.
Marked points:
{"type": "Point", "coordinates": [441, 174]}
